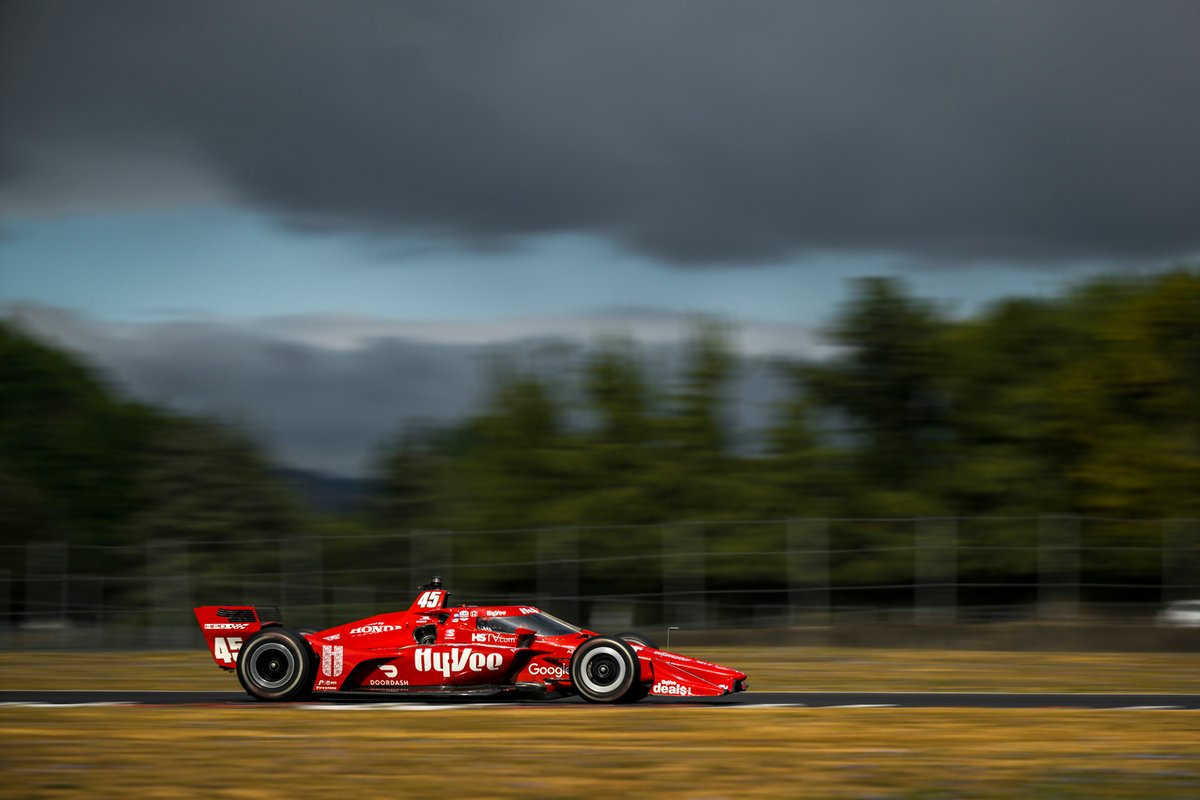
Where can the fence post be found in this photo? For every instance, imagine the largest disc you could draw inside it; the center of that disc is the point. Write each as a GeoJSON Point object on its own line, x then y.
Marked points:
{"type": "Point", "coordinates": [169, 595]}
{"type": "Point", "coordinates": [558, 572]}
{"type": "Point", "coordinates": [684, 599]}
{"type": "Point", "coordinates": [302, 592]}
{"type": "Point", "coordinates": [1058, 567]}
{"type": "Point", "coordinates": [1180, 559]}
{"type": "Point", "coordinates": [46, 584]}
{"type": "Point", "coordinates": [807, 548]}
{"type": "Point", "coordinates": [935, 570]}
{"type": "Point", "coordinates": [6, 622]}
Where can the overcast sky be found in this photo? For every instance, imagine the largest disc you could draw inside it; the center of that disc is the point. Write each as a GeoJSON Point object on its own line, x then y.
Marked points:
{"type": "Point", "coordinates": [442, 172]}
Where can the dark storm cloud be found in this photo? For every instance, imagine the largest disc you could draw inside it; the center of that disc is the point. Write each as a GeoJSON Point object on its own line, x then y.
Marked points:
{"type": "Point", "coordinates": [697, 132]}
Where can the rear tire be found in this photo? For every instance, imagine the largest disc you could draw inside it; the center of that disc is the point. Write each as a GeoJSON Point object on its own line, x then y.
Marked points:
{"type": "Point", "coordinates": [276, 664]}
{"type": "Point", "coordinates": [604, 670]}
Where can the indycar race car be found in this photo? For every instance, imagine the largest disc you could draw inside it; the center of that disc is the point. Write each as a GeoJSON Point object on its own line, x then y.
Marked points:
{"type": "Point", "coordinates": [437, 649]}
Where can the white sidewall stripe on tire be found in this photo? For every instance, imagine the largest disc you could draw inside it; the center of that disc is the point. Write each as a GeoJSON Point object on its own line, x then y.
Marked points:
{"type": "Point", "coordinates": [587, 659]}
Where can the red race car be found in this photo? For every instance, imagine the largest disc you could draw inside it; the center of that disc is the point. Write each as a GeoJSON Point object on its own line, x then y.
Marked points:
{"type": "Point", "coordinates": [437, 649]}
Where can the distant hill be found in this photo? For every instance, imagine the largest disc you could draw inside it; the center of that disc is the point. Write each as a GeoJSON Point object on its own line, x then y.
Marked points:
{"type": "Point", "coordinates": [329, 494]}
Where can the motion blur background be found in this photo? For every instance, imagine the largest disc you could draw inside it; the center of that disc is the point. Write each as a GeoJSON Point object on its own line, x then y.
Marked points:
{"type": "Point", "coordinates": [854, 322]}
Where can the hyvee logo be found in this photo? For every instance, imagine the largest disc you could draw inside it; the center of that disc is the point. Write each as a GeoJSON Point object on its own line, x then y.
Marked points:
{"type": "Point", "coordinates": [373, 627]}
{"type": "Point", "coordinates": [458, 660]}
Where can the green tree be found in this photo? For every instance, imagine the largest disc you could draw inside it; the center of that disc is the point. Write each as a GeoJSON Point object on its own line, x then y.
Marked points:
{"type": "Point", "coordinates": [1130, 407]}
{"type": "Point", "coordinates": [69, 451]}
{"type": "Point", "coordinates": [885, 389]}
{"type": "Point", "coordinates": [1006, 454]}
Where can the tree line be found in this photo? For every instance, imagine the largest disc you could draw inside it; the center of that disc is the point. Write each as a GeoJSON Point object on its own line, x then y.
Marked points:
{"type": "Point", "coordinates": [1086, 403]}
{"type": "Point", "coordinates": [1082, 403]}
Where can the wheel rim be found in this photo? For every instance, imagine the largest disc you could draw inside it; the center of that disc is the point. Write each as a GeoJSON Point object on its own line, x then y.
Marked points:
{"type": "Point", "coordinates": [272, 665]}
{"type": "Point", "coordinates": [602, 669]}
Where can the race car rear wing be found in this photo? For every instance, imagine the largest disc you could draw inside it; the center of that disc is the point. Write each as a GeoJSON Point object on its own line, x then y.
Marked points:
{"type": "Point", "coordinates": [226, 627]}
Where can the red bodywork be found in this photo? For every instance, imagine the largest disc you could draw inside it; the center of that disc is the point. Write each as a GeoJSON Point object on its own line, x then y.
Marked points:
{"type": "Point", "coordinates": [433, 648]}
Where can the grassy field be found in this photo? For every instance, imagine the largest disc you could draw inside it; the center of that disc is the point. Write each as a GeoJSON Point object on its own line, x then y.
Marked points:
{"type": "Point", "coordinates": [266, 751]}
{"type": "Point", "coordinates": [548, 751]}
{"type": "Point", "coordinates": [807, 669]}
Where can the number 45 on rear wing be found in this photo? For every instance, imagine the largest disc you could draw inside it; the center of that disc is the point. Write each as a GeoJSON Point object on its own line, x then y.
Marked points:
{"type": "Point", "coordinates": [226, 627]}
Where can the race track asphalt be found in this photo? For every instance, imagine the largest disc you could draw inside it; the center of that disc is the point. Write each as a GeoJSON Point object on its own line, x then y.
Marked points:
{"type": "Point", "coordinates": [749, 699]}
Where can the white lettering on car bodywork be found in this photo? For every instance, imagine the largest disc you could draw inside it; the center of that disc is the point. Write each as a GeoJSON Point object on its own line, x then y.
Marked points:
{"type": "Point", "coordinates": [457, 660]}
{"type": "Point", "coordinates": [549, 671]}
{"type": "Point", "coordinates": [389, 678]}
{"type": "Point", "coordinates": [226, 648]}
{"type": "Point", "coordinates": [491, 637]}
{"type": "Point", "coordinates": [373, 627]}
{"type": "Point", "coordinates": [671, 688]}
{"type": "Point", "coordinates": [430, 599]}
{"type": "Point", "coordinates": [331, 660]}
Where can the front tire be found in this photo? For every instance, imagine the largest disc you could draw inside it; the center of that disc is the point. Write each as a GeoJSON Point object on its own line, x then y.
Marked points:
{"type": "Point", "coordinates": [276, 664]}
{"type": "Point", "coordinates": [604, 670]}
{"type": "Point", "coordinates": [633, 637]}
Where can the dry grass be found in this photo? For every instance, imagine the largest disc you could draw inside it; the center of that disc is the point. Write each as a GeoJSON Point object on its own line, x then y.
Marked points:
{"type": "Point", "coordinates": [853, 669]}
{"type": "Point", "coordinates": [560, 751]}
{"type": "Point", "coordinates": [556, 751]}
{"type": "Point", "coordinates": [807, 669]}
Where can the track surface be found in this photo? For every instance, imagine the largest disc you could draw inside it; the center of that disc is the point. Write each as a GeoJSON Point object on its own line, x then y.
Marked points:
{"type": "Point", "coordinates": [741, 700]}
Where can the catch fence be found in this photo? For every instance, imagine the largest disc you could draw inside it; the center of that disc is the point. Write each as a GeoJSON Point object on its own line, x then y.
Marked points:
{"type": "Point", "coordinates": [695, 575]}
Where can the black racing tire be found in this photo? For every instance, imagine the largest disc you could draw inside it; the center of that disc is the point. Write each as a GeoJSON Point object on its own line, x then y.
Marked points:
{"type": "Point", "coordinates": [636, 694]}
{"type": "Point", "coordinates": [604, 670]}
{"type": "Point", "coordinates": [636, 638]}
{"type": "Point", "coordinates": [276, 664]}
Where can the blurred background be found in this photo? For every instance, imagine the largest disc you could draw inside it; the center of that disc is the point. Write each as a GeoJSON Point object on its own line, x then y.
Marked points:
{"type": "Point", "coordinates": [811, 323]}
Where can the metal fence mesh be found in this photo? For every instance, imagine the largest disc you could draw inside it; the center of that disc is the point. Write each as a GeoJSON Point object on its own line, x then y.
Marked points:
{"type": "Point", "coordinates": [746, 573]}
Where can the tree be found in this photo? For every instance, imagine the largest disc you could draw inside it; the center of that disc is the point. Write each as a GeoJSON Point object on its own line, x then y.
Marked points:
{"type": "Point", "coordinates": [68, 450]}
{"type": "Point", "coordinates": [885, 384]}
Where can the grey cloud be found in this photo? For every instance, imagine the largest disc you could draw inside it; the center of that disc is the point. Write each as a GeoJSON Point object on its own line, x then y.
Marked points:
{"type": "Point", "coordinates": [324, 393]}
{"type": "Point", "coordinates": [310, 407]}
{"type": "Point", "coordinates": [697, 132]}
